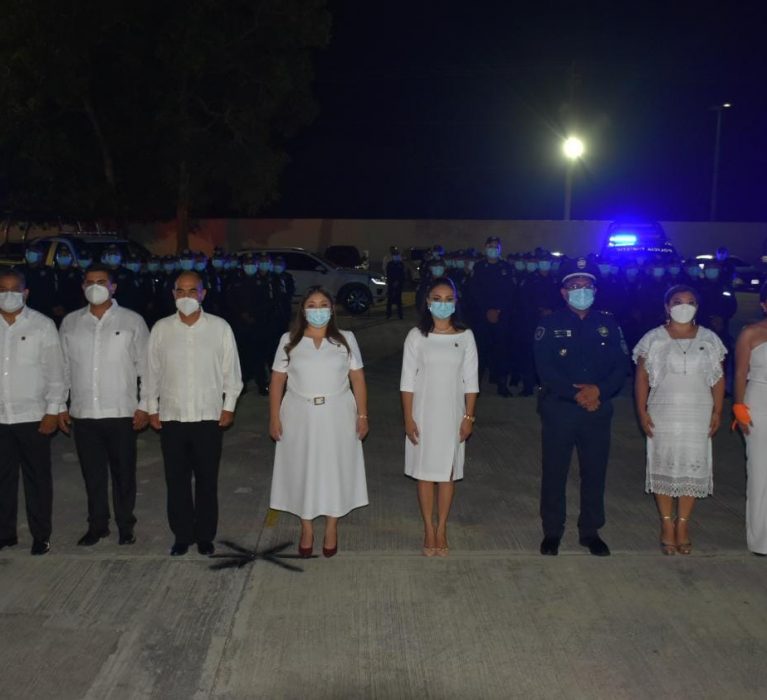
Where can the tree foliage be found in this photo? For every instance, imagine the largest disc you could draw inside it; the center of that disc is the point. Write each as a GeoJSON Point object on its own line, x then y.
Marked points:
{"type": "Point", "coordinates": [139, 108]}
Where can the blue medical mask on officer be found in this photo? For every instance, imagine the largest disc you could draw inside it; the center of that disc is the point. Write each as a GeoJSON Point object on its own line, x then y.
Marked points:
{"type": "Point", "coordinates": [459, 265]}
{"type": "Point", "coordinates": [531, 266]}
{"type": "Point", "coordinates": [632, 273]}
{"type": "Point", "coordinates": [493, 252]}
{"type": "Point", "coordinates": [712, 273]}
{"type": "Point", "coordinates": [658, 272]}
{"type": "Point", "coordinates": [33, 256]}
{"type": "Point", "coordinates": [581, 298]}
{"type": "Point", "coordinates": [555, 265]}
{"type": "Point", "coordinates": [544, 265]}
{"type": "Point", "coordinates": [265, 266]}
{"type": "Point", "coordinates": [169, 266]}
{"type": "Point", "coordinates": [134, 266]}
{"type": "Point", "coordinates": [437, 270]}
{"type": "Point", "coordinates": [442, 309]}
{"type": "Point", "coordinates": [153, 266]}
{"type": "Point", "coordinates": [519, 265]}
{"type": "Point", "coordinates": [396, 258]}
{"type": "Point", "coordinates": [278, 268]}
{"type": "Point", "coordinates": [200, 266]}
{"type": "Point", "coordinates": [218, 263]}
{"type": "Point", "coordinates": [604, 269]}
{"type": "Point", "coordinates": [674, 270]}
{"type": "Point", "coordinates": [186, 264]}
{"type": "Point", "coordinates": [250, 269]}
{"type": "Point", "coordinates": [84, 263]}
{"type": "Point", "coordinates": [693, 271]}
{"type": "Point", "coordinates": [63, 260]}
{"type": "Point", "coordinates": [112, 259]}
{"type": "Point", "coordinates": [317, 318]}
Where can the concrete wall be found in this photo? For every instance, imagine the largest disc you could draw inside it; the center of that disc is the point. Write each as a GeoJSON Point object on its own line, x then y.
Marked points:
{"type": "Point", "coordinates": [746, 240]}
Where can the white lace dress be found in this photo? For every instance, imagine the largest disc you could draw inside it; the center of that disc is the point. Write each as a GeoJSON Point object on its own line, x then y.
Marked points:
{"type": "Point", "coordinates": [681, 374]}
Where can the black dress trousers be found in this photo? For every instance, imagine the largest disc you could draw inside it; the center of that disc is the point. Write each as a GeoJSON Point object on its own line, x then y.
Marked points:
{"type": "Point", "coordinates": [108, 446]}
{"type": "Point", "coordinates": [192, 450]}
{"type": "Point", "coordinates": [22, 445]}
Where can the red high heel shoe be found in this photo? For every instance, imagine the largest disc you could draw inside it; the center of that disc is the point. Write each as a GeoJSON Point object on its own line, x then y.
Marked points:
{"type": "Point", "coordinates": [329, 551]}
{"type": "Point", "coordinates": [305, 552]}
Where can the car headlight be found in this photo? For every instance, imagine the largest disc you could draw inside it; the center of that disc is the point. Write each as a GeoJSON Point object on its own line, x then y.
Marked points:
{"type": "Point", "coordinates": [378, 280]}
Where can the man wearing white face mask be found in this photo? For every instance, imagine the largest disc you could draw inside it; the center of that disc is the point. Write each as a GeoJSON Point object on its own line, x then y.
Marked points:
{"type": "Point", "coordinates": [32, 391]}
{"type": "Point", "coordinates": [193, 382]}
{"type": "Point", "coordinates": [581, 359]}
{"type": "Point", "coordinates": [105, 348]}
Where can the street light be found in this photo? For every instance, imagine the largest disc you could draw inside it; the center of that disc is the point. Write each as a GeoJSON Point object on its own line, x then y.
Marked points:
{"type": "Point", "coordinates": [573, 149]}
{"type": "Point", "coordinates": [719, 109]}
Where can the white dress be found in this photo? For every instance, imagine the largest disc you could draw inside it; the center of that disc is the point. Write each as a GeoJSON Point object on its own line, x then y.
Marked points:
{"type": "Point", "coordinates": [681, 374]}
{"type": "Point", "coordinates": [756, 452]}
{"type": "Point", "coordinates": [319, 468]}
{"type": "Point", "coordinates": [438, 369]}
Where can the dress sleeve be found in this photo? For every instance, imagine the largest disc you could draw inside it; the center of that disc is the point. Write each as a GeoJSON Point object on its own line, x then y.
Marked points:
{"type": "Point", "coordinates": [281, 361]}
{"type": "Point", "coordinates": [642, 348]}
{"type": "Point", "coordinates": [470, 366]}
{"type": "Point", "coordinates": [409, 362]}
{"type": "Point", "coordinates": [716, 352]}
{"type": "Point", "coordinates": [356, 355]}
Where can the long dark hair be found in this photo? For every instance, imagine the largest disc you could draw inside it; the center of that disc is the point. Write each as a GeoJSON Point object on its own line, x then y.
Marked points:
{"type": "Point", "coordinates": [425, 319]}
{"type": "Point", "coordinates": [299, 324]}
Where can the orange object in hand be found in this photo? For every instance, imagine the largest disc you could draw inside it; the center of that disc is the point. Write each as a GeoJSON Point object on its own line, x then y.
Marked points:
{"type": "Point", "coordinates": [742, 414]}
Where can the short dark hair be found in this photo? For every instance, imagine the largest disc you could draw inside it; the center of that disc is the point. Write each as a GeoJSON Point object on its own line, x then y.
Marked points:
{"type": "Point", "coordinates": [103, 269]}
{"type": "Point", "coordinates": [18, 275]}
{"type": "Point", "coordinates": [425, 320]}
{"type": "Point", "coordinates": [188, 273]}
{"type": "Point", "coordinates": [678, 289]}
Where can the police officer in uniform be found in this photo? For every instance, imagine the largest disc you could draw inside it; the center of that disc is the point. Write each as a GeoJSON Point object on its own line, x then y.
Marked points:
{"type": "Point", "coordinates": [395, 281]}
{"type": "Point", "coordinates": [582, 363]}
{"type": "Point", "coordinates": [286, 286]}
{"type": "Point", "coordinates": [41, 280]}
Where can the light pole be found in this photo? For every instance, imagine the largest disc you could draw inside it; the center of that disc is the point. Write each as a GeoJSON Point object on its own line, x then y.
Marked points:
{"type": "Point", "coordinates": [719, 109]}
{"type": "Point", "coordinates": [573, 149]}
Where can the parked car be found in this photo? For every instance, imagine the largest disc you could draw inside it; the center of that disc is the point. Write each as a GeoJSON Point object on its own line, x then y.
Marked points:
{"type": "Point", "coordinates": [745, 276]}
{"type": "Point", "coordinates": [637, 240]}
{"type": "Point", "coordinates": [346, 256]}
{"type": "Point", "coordinates": [355, 290]}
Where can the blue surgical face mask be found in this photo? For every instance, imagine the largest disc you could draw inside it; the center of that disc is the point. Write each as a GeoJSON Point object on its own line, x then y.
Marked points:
{"type": "Point", "coordinates": [279, 269]}
{"type": "Point", "coordinates": [712, 273]}
{"type": "Point", "coordinates": [153, 266]}
{"type": "Point", "coordinates": [632, 273]}
{"type": "Point", "coordinates": [84, 263]}
{"type": "Point", "coordinates": [186, 264]}
{"type": "Point", "coordinates": [531, 266]}
{"type": "Point", "coordinates": [580, 299]}
{"type": "Point", "coordinates": [519, 265]}
{"type": "Point", "coordinates": [555, 265]}
{"type": "Point", "coordinates": [317, 318]}
{"type": "Point", "coordinates": [265, 266]}
{"type": "Point", "coordinates": [112, 259]}
{"type": "Point", "coordinates": [442, 309]}
{"type": "Point", "coordinates": [693, 271]}
{"type": "Point", "coordinates": [396, 258]}
{"type": "Point", "coordinates": [33, 256]}
{"type": "Point", "coordinates": [250, 269]}
{"type": "Point", "coordinates": [493, 252]}
{"type": "Point", "coordinates": [133, 266]}
{"type": "Point", "coordinates": [674, 271]}
{"type": "Point", "coordinates": [604, 269]}
{"type": "Point", "coordinates": [544, 265]}
{"type": "Point", "coordinates": [63, 260]}
{"type": "Point", "coordinates": [200, 266]}
{"type": "Point", "coordinates": [169, 267]}
{"type": "Point", "coordinates": [459, 264]}
{"type": "Point", "coordinates": [218, 263]}
{"type": "Point", "coordinates": [437, 270]}
{"type": "Point", "coordinates": [658, 272]}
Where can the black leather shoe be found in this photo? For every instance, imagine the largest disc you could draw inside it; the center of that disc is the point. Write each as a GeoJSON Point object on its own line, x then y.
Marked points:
{"type": "Point", "coordinates": [40, 547]}
{"type": "Point", "coordinates": [550, 546]}
{"type": "Point", "coordinates": [90, 538]}
{"type": "Point", "coordinates": [596, 545]}
{"type": "Point", "coordinates": [127, 538]}
{"type": "Point", "coordinates": [178, 549]}
{"type": "Point", "coordinates": [205, 548]}
{"type": "Point", "coordinates": [9, 542]}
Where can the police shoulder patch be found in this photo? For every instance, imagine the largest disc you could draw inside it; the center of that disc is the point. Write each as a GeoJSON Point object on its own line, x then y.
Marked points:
{"type": "Point", "coordinates": [539, 332]}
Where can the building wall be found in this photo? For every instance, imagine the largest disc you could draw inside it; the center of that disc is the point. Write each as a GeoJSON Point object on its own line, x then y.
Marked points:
{"type": "Point", "coordinates": [746, 240]}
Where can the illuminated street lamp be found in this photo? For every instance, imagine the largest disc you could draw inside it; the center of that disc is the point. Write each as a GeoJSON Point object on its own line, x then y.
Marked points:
{"type": "Point", "coordinates": [573, 149]}
{"type": "Point", "coordinates": [719, 109]}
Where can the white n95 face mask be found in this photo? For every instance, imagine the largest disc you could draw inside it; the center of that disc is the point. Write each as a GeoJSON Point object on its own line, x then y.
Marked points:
{"type": "Point", "coordinates": [187, 305]}
{"type": "Point", "coordinates": [683, 313]}
{"type": "Point", "coordinates": [11, 302]}
{"type": "Point", "coordinates": [96, 294]}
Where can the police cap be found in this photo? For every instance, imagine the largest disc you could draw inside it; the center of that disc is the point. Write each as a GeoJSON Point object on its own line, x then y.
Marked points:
{"type": "Point", "coordinates": [578, 267]}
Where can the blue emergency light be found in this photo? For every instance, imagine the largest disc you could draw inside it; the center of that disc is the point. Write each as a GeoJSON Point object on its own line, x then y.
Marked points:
{"type": "Point", "coordinates": [620, 240]}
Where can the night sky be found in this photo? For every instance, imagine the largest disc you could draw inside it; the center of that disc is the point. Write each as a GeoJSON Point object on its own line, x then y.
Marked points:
{"type": "Point", "coordinates": [457, 110]}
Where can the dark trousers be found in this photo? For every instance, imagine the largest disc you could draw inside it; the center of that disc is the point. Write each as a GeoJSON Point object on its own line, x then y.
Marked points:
{"type": "Point", "coordinates": [108, 446]}
{"type": "Point", "coordinates": [565, 426]}
{"type": "Point", "coordinates": [494, 348]}
{"type": "Point", "coordinates": [22, 445]}
{"type": "Point", "coordinates": [394, 298]}
{"type": "Point", "coordinates": [192, 450]}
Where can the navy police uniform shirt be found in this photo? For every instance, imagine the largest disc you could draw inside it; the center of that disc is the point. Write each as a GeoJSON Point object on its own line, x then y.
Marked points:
{"type": "Point", "coordinates": [492, 286]}
{"type": "Point", "coordinates": [570, 350]}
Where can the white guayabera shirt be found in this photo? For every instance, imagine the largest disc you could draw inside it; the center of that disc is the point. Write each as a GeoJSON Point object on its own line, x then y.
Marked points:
{"type": "Point", "coordinates": [193, 371]}
{"type": "Point", "coordinates": [32, 380]}
{"type": "Point", "coordinates": [104, 359]}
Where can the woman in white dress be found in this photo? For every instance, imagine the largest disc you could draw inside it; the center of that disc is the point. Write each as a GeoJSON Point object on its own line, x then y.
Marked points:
{"type": "Point", "coordinates": [679, 392]}
{"type": "Point", "coordinates": [318, 422]}
{"type": "Point", "coordinates": [750, 409]}
{"type": "Point", "coordinates": [439, 388]}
